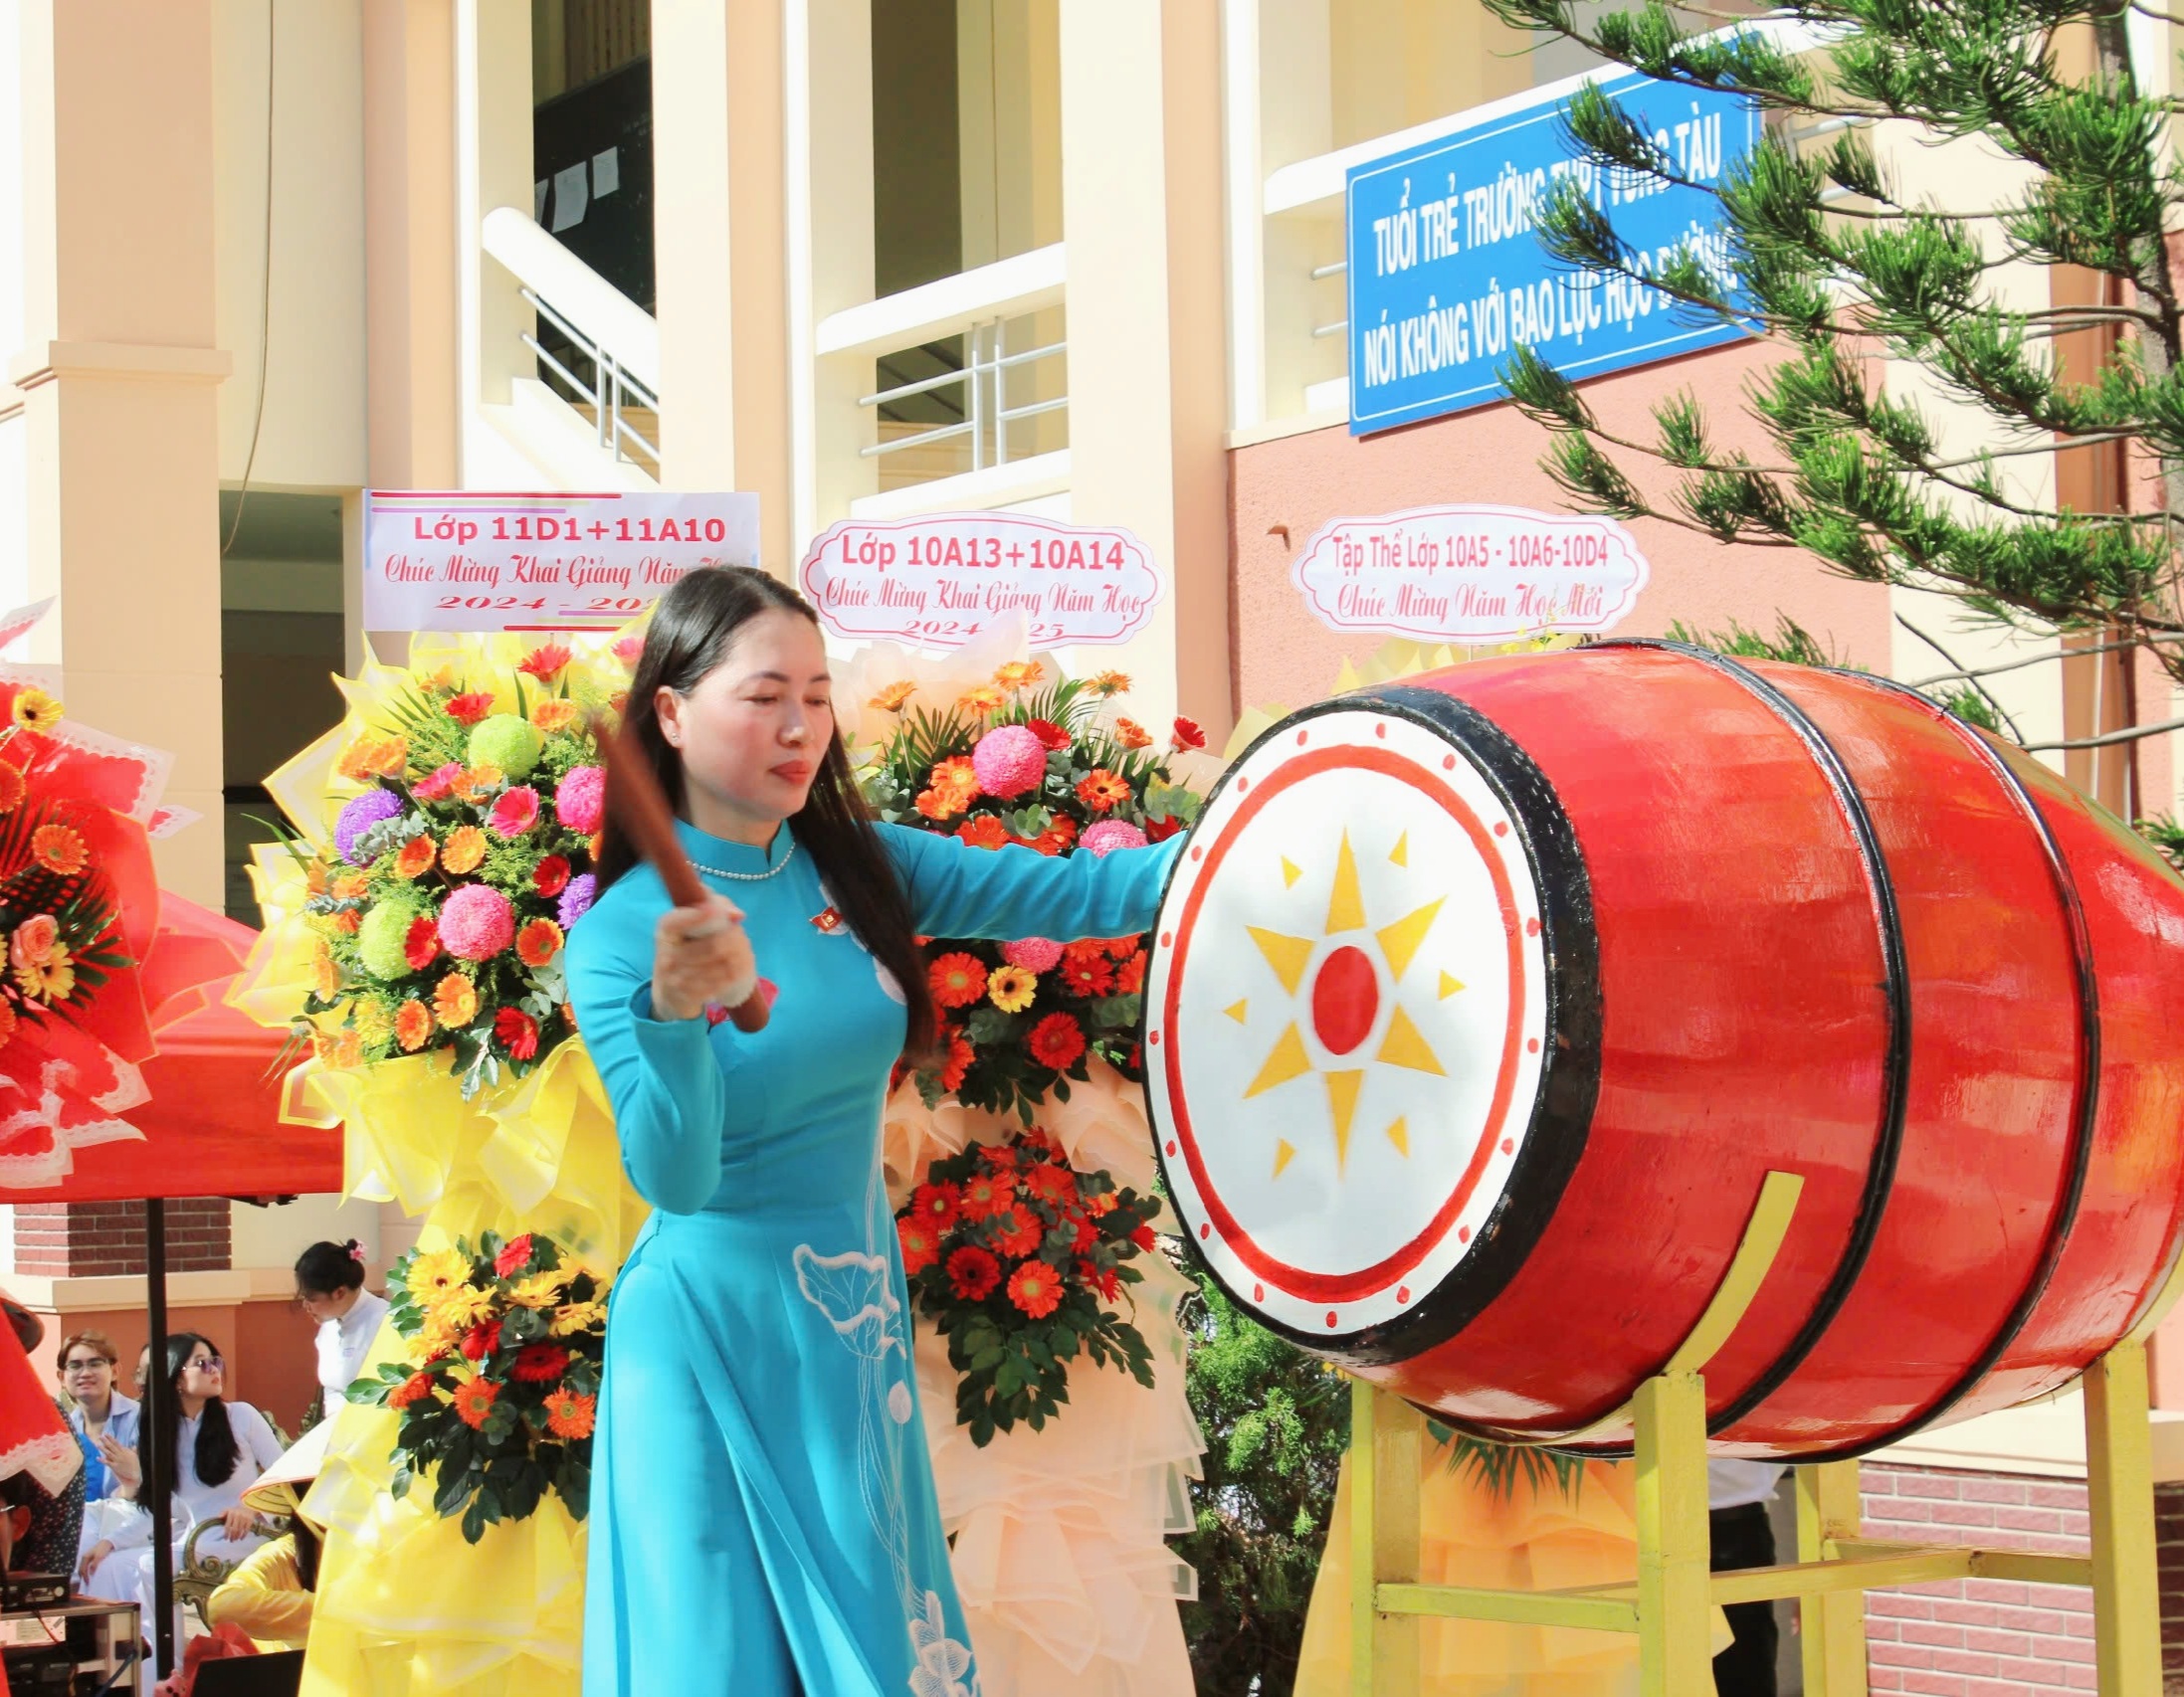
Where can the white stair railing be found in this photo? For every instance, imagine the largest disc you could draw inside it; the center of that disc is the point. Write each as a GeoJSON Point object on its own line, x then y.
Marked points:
{"type": "Point", "coordinates": [607, 330]}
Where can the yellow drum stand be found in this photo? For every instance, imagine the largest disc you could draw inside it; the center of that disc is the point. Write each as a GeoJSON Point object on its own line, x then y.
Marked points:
{"type": "Point", "coordinates": [1671, 1605]}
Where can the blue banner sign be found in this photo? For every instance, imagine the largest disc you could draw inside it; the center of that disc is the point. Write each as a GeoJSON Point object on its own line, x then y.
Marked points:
{"type": "Point", "coordinates": [1447, 275]}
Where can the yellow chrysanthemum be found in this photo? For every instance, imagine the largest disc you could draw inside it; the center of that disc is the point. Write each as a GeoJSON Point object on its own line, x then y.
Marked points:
{"type": "Point", "coordinates": [1019, 674]}
{"type": "Point", "coordinates": [540, 1290]}
{"type": "Point", "coordinates": [35, 710]}
{"type": "Point", "coordinates": [435, 1338]}
{"type": "Point", "coordinates": [436, 1272]}
{"type": "Point", "coordinates": [374, 1023]}
{"type": "Point", "coordinates": [462, 1307]}
{"type": "Point", "coordinates": [1011, 987]}
{"type": "Point", "coordinates": [578, 1317]}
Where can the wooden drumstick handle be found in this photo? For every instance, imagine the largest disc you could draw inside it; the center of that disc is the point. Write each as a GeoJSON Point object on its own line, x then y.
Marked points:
{"type": "Point", "coordinates": [640, 812]}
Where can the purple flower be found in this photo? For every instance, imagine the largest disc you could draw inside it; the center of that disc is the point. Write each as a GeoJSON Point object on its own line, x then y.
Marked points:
{"type": "Point", "coordinates": [576, 900]}
{"type": "Point", "coordinates": [369, 809]}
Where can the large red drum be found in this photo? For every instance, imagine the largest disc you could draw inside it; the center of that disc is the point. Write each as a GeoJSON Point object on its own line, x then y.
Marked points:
{"type": "Point", "coordinates": [1483, 1006]}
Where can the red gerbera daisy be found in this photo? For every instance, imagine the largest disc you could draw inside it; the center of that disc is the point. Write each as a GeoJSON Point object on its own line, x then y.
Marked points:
{"type": "Point", "coordinates": [936, 1206]}
{"type": "Point", "coordinates": [1188, 734]}
{"type": "Point", "coordinates": [957, 980]}
{"type": "Point", "coordinates": [1036, 1288]}
{"type": "Point", "coordinates": [1160, 830]}
{"type": "Point", "coordinates": [570, 1416]}
{"type": "Point", "coordinates": [1087, 975]}
{"type": "Point", "coordinates": [998, 1156]}
{"type": "Point", "coordinates": [551, 877]}
{"type": "Point", "coordinates": [958, 1064]}
{"type": "Point", "coordinates": [1050, 1183]}
{"type": "Point", "coordinates": [516, 1255]}
{"type": "Point", "coordinates": [920, 1246]}
{"type": "Point", "coordinates": [415, 1389]}
{"type": "Point", "coordinates": [1051, 735]}
{"type": "Point", "coordinates": [1144, 1237]}
{"type": "Point", "coordinates": [1102, 1279]}
{"type": "Point", "coordinates": [986, 1195]}
{"type": "Point", "coordinates": [984, 832]}
{"type": "Point", "coordinates": [473, 1402]}
{"type": "Point", "coordinates": [517, 1032]}
{"type": "Point", "coordinates": [420, 947]}
{"type": "Point", "coordinates": [1016, 1232]}
{"type": "Point", "coordinates": [972, 1274]}
{"type": "Point", "coordinates": [546, 661]}
{"type": "Point", "coordinates": [1056, 1041]}
{"type": "Point", "coordinates": [481, 1340]}
{"type": "Point", "coordinates": [469, 710]}
{"type": "Point", "coordinates": [539, 1364]}
{"type": "Point", "coordinates": [1129, 977]}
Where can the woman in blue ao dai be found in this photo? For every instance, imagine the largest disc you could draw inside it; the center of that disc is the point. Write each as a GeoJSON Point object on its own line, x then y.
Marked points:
{"type": "Point", "coordinates": [763, 1516]}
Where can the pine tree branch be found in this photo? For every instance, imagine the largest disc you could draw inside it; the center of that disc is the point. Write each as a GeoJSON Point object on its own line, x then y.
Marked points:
{"type": "Point", "coordinates": [1985, 695]}
{"type": "Point", "coordinates": [2133, 733]}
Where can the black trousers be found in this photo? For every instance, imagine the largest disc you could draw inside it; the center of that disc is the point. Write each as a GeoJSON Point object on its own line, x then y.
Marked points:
{"type": "Point", "coordinates": [1742, 1538]}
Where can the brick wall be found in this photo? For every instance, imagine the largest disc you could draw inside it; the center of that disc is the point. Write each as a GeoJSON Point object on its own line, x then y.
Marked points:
{"type": "Point", "coordinates": [2169, 1553]}
{"type": "Point", "coordinates": [92, 1239]}
{"type": "Point", "coordinates": [1980, 1637]}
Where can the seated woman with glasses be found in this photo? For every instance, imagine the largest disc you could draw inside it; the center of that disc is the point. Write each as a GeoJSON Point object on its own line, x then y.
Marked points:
{"type": "Point", "coordinates": [219, 1449]}
{"type": "Point", "coordinates": [103, 1419]}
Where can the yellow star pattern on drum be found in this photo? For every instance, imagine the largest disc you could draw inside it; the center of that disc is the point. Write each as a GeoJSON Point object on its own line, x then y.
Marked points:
{"type": "Point", "coordinates": [1401, 1044]}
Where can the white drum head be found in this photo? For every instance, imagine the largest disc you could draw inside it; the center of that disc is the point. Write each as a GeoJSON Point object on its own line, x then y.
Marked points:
{"type": "Point", "coordinates": [1344, 1021]}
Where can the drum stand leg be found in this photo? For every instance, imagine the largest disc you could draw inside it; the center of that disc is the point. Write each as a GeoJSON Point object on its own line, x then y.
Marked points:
{"type": "Point", "coordinates": [1832, 1624]}
{"type": "Point", "coordinates": [2120, 1486]}
{"type": "Point", "coordinates": [1387, 1439]}
{"type": "Point", "coordinates": [1674, 1591]}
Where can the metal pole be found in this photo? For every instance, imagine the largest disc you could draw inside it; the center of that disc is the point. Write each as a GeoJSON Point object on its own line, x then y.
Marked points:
{"type": "Point", "coordinates": [160, 1452]}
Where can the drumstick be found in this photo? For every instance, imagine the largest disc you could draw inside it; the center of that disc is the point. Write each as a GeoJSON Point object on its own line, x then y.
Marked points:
{"type": "Point", "coordinates": [640, 811]}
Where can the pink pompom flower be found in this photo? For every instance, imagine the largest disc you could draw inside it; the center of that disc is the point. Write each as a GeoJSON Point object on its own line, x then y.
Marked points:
{"type": "Point", "coordinates": [582, 799]}
{"type": "Point", "coordinates": [1033, 954]}
{"type": "Point", "coordinates": [514, 811]}
{"type": "Point", "coordinates": [1009, 760]}
{"type": "Point", "coordinates": [1109, 836]}
{"type": "Point", "coordinates": [477, 923]}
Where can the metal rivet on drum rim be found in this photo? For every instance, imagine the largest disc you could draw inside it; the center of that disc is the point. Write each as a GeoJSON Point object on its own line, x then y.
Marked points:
{"type": "Point", "coordinates": [1380, 730]}
{"type": "Point", "coordinates": [1198, 850]}
{"type": "Point", "coordinates": [1533, 1043]}
{"type": "Point", "coordinates": [1463, 1234]}
{"type": "Point", "coordinates": [1205, 1231]}
{"type": "Point", "coordinates": [1243, 784]}
{"type": "Point", "coordinates": [1171, 1146]}
{"type": "Point", "coordinates": [1258, 1293]}
{"type": "Point", "coordinates": [1508, 1146]}
{"type": "Point", "coordinates": [1300, 736]}
{"type": "Point", "coordinates": [1167, 939]}
{"type": "Point", "coordinates": [1330, 1316]}
{"type": "Point", "coordinates": [1402, 1293]}
{"type": "Point", "coordinates": [1531, 927]}
{"type": "Point", "coordinates": [1154, 1037]}
{"type": "Point", "coordinates": [1501, 828]}
{"type": "Point", "coordinates": [1448, 763]}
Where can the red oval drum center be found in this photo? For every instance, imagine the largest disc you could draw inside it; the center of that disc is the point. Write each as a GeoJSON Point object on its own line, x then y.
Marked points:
{"type": "Point", "coordinates": [1346, 999]}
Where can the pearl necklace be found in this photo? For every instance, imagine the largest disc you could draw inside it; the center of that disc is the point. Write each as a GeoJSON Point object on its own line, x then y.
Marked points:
{"type": "Point", "coordinates": [749, 877]}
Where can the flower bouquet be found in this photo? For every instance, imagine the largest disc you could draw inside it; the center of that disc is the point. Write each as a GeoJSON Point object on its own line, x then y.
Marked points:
{"type": "Point", "coordinates": [1039, 763]}
{"type": "Point", "coordinates": [502, 1388]}
{"type": "Point", "coordinates": [1011, 1253]}
{"type": "Point", "coordinates": [459, 869]}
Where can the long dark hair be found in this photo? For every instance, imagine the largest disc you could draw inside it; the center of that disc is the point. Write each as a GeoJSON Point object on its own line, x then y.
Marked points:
{"type": "Point", "coordinates": [690, 633]}
{"type": "Point", "coordinates": [217, 1450]}
{"type": "Point", "coordinates": [306, 1554]}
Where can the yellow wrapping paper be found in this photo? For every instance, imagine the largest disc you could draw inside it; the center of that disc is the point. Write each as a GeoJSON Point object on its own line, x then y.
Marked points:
{"type": "Point", "coordinates": [1528, 1540]}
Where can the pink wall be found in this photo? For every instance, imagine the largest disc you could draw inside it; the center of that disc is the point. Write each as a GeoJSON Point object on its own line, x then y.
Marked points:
{"type": "Point", "coordinates": [1282, 491]}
